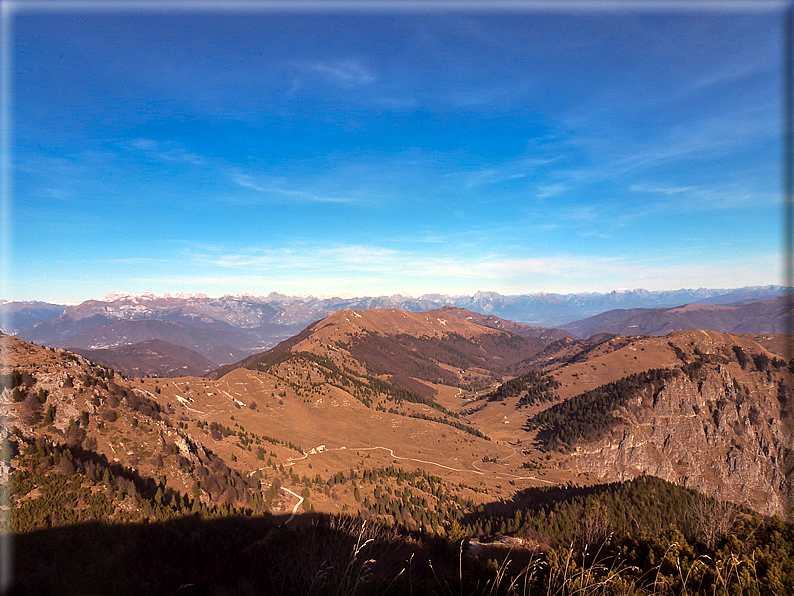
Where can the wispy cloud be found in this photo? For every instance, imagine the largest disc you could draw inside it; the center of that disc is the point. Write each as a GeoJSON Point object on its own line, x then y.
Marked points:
{"type": "Point", "coordinates": [387, 270]}
{"type": "Point", "coordinates": [246, 261]}
{"type": "Point", "coordinates": [752, 66]}
{"type": "Point", "coordinates": [548, 191]}
{"type": "Point", "coordinates": [339, 73]}
{"type": "Point", "coordinates": [704, 139]}
{"type": "Point", "coordinates": [368, 256]}
{"type": "Point", "coordinates": [303, 256]}
{"type": "Point", "coordinates": [582, 214]}
{"type": "Point", "coordinates": [274, 188]}
{"type": "Point", "coordinates": [164, 151]}
{"type": "Point", "coordinates": [492, 176]}
{"type": "Point", "coordinates": [706, 198]}
{"type": "Point", "coordinates": [138, 261]}
{"type": "Point", "coordinates": [347, 71]}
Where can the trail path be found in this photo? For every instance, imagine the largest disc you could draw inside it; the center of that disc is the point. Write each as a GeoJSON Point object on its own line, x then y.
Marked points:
{"type": "Point", "coordinates": [460, 390]}
{"type": "Point", "coordinates": [230, 396]}
{"type": "Point", "coordinates": [514, 476]}
{"type": "Point", "coordinates": [292, 460]}
{"type": "Point", "coordinates": [298, 504]}
{"type": "Point", "coordinates": [185, 402]}
{"type": "Point", "coordinates": [421, 461]}
{"type": "Point", "coordinates": [478, 394]}
{"type": "Point", "coordinates": [476, 470]}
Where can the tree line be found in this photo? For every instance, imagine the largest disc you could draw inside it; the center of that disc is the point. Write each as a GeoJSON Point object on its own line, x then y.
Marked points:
{"type": "Point", "coordinates": [588, 415]}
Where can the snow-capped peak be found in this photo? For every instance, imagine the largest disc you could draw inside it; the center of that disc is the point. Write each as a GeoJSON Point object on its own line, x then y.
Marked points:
{"type": "Point", "coordinates": [183, 295]}
{"type": "Point", "coordinates": [113, 296]}
{"type": "Point", "coordinates": [252, 295]}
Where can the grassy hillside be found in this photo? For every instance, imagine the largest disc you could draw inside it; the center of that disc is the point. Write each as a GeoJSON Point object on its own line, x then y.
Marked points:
{"type": "Point", "coordinates": [330, 462]}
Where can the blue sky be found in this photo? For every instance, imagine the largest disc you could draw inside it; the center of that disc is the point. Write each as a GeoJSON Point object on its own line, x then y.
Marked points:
{"type": "Point", "coordinates": [373, 153]}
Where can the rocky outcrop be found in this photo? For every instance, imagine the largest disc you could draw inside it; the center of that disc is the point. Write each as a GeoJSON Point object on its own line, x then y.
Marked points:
{"type": "Point", "coordinates": [708, 432]}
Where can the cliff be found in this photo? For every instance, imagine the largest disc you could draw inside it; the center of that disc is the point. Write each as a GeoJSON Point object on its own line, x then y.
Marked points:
{"type": "Point", "coordinates": [715, 428]}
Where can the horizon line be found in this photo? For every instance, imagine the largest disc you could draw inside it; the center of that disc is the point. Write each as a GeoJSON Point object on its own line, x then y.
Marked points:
{"type": "Point", "coordinates": [114, 295]}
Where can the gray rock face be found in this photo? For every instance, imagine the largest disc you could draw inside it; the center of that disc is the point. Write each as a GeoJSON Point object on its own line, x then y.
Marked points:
{"type": "Point", "coordinates": [709, 433]}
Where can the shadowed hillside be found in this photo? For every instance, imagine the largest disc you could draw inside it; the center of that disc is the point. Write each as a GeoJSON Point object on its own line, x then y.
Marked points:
{"type": "Point", "coordinates": [645, 538]}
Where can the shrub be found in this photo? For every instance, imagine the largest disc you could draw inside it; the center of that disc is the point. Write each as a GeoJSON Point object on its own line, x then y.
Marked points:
{"type": "Point", "coordinates": [741, 356]}
{"type": "Point", "coordinates": [49, 417]}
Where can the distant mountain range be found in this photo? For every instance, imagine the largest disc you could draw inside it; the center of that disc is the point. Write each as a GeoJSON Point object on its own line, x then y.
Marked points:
{"type": "Point", "coordinates": [17, 315]}
{"type": "Point", "coordinates": [768, 316]}
{"type": "Point", "coordinates": [226, 329]}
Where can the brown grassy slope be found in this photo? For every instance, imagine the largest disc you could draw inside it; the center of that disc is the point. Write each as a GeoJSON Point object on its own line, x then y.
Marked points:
{"type": "Point", "coordinates": [406, 347]}
{"type": "Point", "coordinates": [301, 401]}
{"type": "Point", "coordinates": [777, 343]}
{"type": "Point", "coordinates": [308, 414]}
{"type": "Point", "coordinates": [513, 327]}
{"type": "Point", "coordinates": [252, 360]}
{"type": "Point", "coordinates": [270, 416]}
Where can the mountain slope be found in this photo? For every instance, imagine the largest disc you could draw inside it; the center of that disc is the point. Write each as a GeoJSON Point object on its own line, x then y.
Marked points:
{"type": "Point", "coordinates": [769, 316]}
{"type": "Point", "coordinates": [718, 416]}
{"type": "Point", "coordinates": [16, 315]}
{"type": "Point", "coordinates": [437, 388]}
{"type": "Point", "coordinates": [511, 326]}
{"type": "Point", "coordinates": [411, 349]}
{"type": "Point", "coordinates": [223, 330]}
{"type": "Point", "coordinates": [460, 364]}
{"type": "Point", "coordinates": [431, 430]}
{"type": "Point", "coordinates": [159, 448]}
{"type": "Point", "coordinates": [311, 427]}
{"type": "Point", "coordinates": [153, 357]}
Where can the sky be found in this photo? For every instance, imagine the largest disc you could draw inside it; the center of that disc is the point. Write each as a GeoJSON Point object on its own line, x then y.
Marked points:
{"type": "Point", "coordinates": [375, 152]}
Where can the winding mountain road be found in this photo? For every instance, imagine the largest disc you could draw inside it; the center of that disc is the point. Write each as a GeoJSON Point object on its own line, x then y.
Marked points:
{"type": "Point", "coordinates": [476, 470]}
{"type": "Point", "coordinates": [421, 461]}
{"type": "Point", "coordinates": [295, 508]}
{"type": "Point", "coordinates": [513, 476]}
{"type": "Point", "coordinates": [292, 460]}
